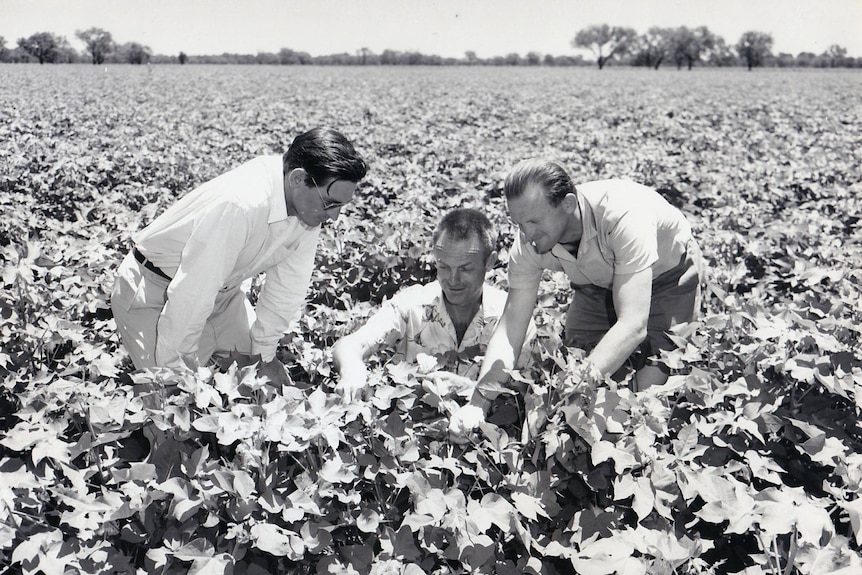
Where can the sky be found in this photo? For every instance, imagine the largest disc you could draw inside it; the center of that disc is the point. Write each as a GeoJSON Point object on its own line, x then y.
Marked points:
{"type": "Point", "coordinates": [446, 28]}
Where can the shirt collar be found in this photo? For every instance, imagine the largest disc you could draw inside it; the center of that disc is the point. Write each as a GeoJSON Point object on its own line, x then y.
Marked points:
{"type": "Point", "coordinates": [441, 304]}
{"type": "Point", "coordinates": [277, 201]}
{"type": "Point", "coordinates": [588, 229]}
{"type": "Point", "coordinates": [588, 219]}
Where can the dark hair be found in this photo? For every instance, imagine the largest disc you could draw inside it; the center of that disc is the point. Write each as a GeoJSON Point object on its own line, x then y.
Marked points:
{"type": "Point", "coordinates": [549, 175]}
{"type": "Point", "coordinates": [464, 223]}
{"type": "Point", "coordinates": [324, 153]}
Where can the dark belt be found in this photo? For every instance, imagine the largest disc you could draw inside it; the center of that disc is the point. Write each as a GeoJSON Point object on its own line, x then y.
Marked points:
{"type": "Point", "coordinates": [142, 259]}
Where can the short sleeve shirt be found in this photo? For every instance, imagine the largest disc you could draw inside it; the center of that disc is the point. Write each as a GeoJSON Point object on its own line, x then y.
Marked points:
{"type": "Point", "coordinates": [415, 320]}
{"type": "Point", "coordinates": [627, 228]}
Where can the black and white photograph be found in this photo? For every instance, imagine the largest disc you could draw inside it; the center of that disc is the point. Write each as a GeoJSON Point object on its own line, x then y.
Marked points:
{"type": "Point", "coordinates": [430, 287]}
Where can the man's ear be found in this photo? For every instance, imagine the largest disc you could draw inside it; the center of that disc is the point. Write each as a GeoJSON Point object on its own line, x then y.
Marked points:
{"type": "Point", "coordinates": [296, 177]}
{"type": "Point", "coordinates": [570, 203]}
{"type": "Point", "coordinates": [491, 261]}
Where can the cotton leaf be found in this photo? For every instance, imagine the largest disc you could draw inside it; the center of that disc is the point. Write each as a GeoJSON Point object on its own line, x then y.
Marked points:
{"type": "Point", "coordinates": [23, 435]}
{"type": "Point", "coordinates": [824, 450]}
{"type": "Point", "coordinates": [184, 509]}
{"type": "Point", "coordinates": [644, 497]}
{"type": "Point", "coordinates": [624, 487]}
{"type": "Point", "coordinates": [854, 512]}
{"type": "Point", "coordinates": [334, 471]}
{"type": "Point", "coordinates": [368, 520]}
{"type": "Point", "coordinates": [416, 521]}
{"type": "Point", "coordinates": [51, 448]}
{"type": "Point", "coordinates": [7, 536]}
{"type": "Point", "coordinates": [664, 545]}
{"type": "Point", "coordinates": [244, 484]}
{"type": "Point", "coordinates": [221, 564]}
{"type": "Point", "coordinates": [763, 467]}
{"type": "Point", "coordinates": [426, 363]}
{"type": "Point", "coordinates": [35, 545]}
{"type": "Point", "coordinates": [207, 423]}
{"type": "Point", "coordinates": [499, 511]}
{"type": "Point", "coordinates": [813, 523]}
{"type": "Point", "coordinates": [278, 541]}
{"type": "Point", "coordinates": [606, 557]}
{"type": "Point", "coordinates": [196, 549]}
{"type": "Point", "coordinates": [623, 458]}
{"type": "Point", "coordinates": [528, 506]}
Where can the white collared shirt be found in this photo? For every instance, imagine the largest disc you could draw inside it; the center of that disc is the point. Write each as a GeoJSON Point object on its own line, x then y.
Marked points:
{"type": "Point", "coordinates": [221, 233]}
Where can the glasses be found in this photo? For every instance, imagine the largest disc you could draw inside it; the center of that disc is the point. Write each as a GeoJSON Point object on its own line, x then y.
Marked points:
{"type": "Point", "coordinates": [327, 205]}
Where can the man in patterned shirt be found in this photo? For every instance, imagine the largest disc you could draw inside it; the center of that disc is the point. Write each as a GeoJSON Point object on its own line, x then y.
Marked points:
{"type": "Point", "coordinates": [451, 318]}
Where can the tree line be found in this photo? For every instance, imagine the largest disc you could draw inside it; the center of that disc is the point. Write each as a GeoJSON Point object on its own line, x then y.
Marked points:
{"type": "Point", "coordinates": [681, 46]}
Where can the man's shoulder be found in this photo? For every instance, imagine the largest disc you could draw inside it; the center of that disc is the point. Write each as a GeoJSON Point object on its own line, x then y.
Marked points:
{"type": "Point", "coordinates": [417, 294]}
{"type": "Point", "coordinates": [250, 184]}
{"type": "Point", "coordinates": [611, 186]}
{"type": "Point", "coordinates": [615, 198]}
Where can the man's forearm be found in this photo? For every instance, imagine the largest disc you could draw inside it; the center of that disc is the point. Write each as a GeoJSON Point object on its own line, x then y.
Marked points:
{"type": "Point", "coordinates": [499, 356]}
{"type": "Point", "coordinates": [616, 346]}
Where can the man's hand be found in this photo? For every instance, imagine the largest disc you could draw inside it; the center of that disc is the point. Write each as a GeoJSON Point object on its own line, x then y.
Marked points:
{"type": "Point", "coordinates": [352, 382]}
{"type": "Point", "coordinates": [275, 371]}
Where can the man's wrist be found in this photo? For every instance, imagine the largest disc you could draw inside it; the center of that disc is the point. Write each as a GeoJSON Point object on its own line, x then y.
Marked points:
{"type": "Point", "coordinates": [589, 372]}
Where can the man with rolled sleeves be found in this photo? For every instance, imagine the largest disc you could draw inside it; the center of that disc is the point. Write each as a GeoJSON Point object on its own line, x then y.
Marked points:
{"type": "Point", "coordinates": [629, 254]}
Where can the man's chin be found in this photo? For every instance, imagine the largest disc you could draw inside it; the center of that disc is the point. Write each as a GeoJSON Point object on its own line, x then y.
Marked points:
{"type": "Point", "coordinates": [458, 298]}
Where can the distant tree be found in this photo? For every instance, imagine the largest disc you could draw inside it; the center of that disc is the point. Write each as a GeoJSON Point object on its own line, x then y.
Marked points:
{"type": "Point", "coordinates": [534, 59]}
{"type": "Point", "coordinates": [3, 49]}
{"type": "Point", "coordinates": [721, 55]}
{"type": "Point", "coordinates": [43, 46]}
{"type": "Point", "coordinates": [470, 57]}
{"type": "Point", "coordinates": [549, 60]}
{"type": "Point", "coordinates": [99, 43]}
{"type": "Point", "coordinates": [605, 41]}
{"type": "Point", "coordinates": [288, 57]}
{"type": "Point", "coordinates": [268, 58]}
{"type": "Point", "coordinates": [390, 58]}
{"type": "Point", "coordinates": [836, 56]}
{"type": "Point", "coordinates": [413, 58]}
{"type": "Point", "coordinates": [132, 53]}
{"type": "Point", "coordinates": [183, 58]}
{"type": "Point", "coordinates": [687, 46]}
{"type": "Point", "coordinates": [754, 47]}
{"type": "Point", "coordinates": [785, 60]}
{"type": "Point", "coordinates": [572, 61]}
{"type": "Point", "coordinates": [66, 54]}
{"type": "Point", "coordinates": [513, 59]}
{"type": "Point", "coordinates": [365, 56]}
{"type": "Point", "coordinates": [806, 59]}
{"type": "Point", "coordinates": [653, 47]}
{"type": "Point", "coordinates": [342, 59]}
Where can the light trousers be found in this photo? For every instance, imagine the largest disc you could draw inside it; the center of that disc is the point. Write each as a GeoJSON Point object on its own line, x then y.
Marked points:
{"type": "Point", "coordinates": [137, 301]}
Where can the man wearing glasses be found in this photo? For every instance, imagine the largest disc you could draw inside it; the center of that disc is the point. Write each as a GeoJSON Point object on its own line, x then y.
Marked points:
{"type": "Point", "coordinates": [178, 296]}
